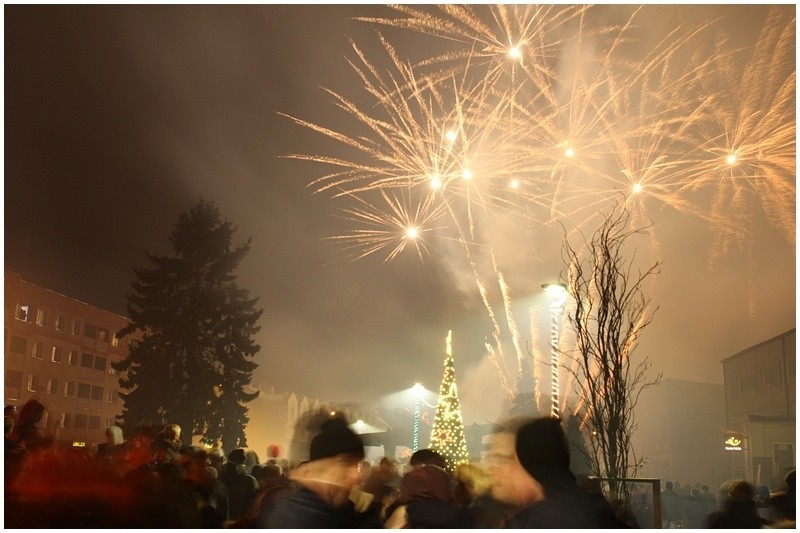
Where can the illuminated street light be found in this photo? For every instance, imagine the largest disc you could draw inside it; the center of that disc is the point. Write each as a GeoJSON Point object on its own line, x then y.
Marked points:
{"type": "Point", "coordinates": [558, 297]}
{"type": "Point", "coordinates": [418, 390]}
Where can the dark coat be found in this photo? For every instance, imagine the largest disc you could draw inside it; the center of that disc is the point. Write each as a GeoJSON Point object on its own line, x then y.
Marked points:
{"type": "Point", "coordinates": [242, 488]}
{"type": "Point", "coordinates": [736, 515]}
{"type": "Point", "coordinates": [302, 509]}
{"type": "Point", "coordinates": [566, 505]}
{"type": "Point", "coordinates": [437, 514]}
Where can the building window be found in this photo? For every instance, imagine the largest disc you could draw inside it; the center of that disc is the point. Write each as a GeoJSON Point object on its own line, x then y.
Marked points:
{"type": "Point", "coordinates": [19, 344]}
{"type": "Point", "coordinates": [102, 334]}
{"type": "Point", "coordinates": [13, 378]}
{"type": "Point", "coordinates": [41, 317]}
{"type": "Point", "coordinates": [61, 322]}
{"type": "Point", "coordinates": [33, 383]}
{"type": "Point", "coordinates": [22, 312]}
{"type": "Point", "coordinates": [69, 389]}
{"type": "Point", "coordinates": [115, 341]}
{"type": "Point", "coordinates": [55, 354]}
{"type": "Point", "coordinates": [97, 393]}
{"type": "Point", "coordinates": [38, 349]}
{"type": "Point", "coordinates": [84, 390]}
{"type": "Point", "coordinates": [73, 358]}
{"type": "Point", "coordinates": [80, 421]}
{"type": "Point", "coordinates": [111, 371]}
{"type": "Point", "coordinates": [52, 386]}
{"type": "Point", "coordinates": [76, 326]}
{"type": "Point", "coordinates": [100, 363]}
{"type": "Point", "coordinates": [111, 396]}
{"type": "Point", "coordinates": [94, 422]}
{"type": "Point", "coordinates": [45, 418]}
{"type": "Point", "coordinates": [90, 331]}
{"type": "Point", "coordinates": [86, 360]}
{"type": "Point", "coordinates": [63, 421]}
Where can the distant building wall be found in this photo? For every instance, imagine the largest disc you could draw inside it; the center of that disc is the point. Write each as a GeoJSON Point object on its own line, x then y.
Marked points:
{"type": "Point", "coordinates": [60, 350]}
{"type": "Point", "coordinates": [760, 406]}
{"type": "Point", "coordinates": [680, 425]}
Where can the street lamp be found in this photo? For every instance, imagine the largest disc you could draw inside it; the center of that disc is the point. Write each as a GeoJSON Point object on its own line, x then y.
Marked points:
{"type": "Point", "coordinates": [418, 390]}
{"type": "Point", "coordinates": [558, 297]}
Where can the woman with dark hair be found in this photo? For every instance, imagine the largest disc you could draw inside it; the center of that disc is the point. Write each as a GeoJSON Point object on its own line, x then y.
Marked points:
{"type": "Point", "coordinates": [27, 431]}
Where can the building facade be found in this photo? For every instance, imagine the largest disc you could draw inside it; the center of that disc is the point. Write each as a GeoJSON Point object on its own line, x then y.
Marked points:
{"type": "Point", "coordinates": [679, 425]}
{"type": "Point", "coordinates": [760, 409]}
{"type": "Point", "coordinates": [59, 350]}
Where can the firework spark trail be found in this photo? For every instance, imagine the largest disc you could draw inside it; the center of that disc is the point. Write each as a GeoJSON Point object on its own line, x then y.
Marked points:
{"type": "Point", "coordinates": [534, 111]}
{"type": "Point", "coordinates": [505, 291]}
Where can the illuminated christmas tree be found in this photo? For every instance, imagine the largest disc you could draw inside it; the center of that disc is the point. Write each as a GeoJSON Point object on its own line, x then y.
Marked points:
{"type": "Point", "coordinates": [447, 435]}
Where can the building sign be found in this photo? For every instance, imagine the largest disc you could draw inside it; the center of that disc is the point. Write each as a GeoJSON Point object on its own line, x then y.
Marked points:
{"type": "Point", "coordinates": [733, 442]}
{"type": "Point", "coordinates": [78, 444]}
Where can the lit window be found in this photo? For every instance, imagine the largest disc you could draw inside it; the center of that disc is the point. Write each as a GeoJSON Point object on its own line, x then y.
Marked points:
{"type": "Point", "coordinates": [111, 396]}
{"type": "Point", "coordinates": [38, 350]}
{"type": "Point", "coordinates": [76, 326]}
{"type": "Point", "coordinates": [61, 322]}
{"type": "Point", "coordinates": [65, 420]}
{"type": "Point", "coordinates": [69, 389]}
{"type": "Point", "coordinates": [73, 358]}
{"type": "Point", "coordinates": [55, 354]}
{"type": "Point", "coordinates": [115, 341]}
{"type": "Point", "coordinates": [52, 386]}
{"type": "Point", "coordinates": [102, 334]}
{"type": "Point", "coordinates": [22, 312]}
{"type": "Point", "coordinates": [33, 383]}
{"type": "Point", "coordinates": [41, 317]}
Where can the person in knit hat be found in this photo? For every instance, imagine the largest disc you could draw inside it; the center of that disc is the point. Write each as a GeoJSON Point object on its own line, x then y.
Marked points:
{"type": "Point", "coordinates": [324, 484]}
{"type": "Point", "coordinates": [542, 449]}
{"type": "Point", "coordinates": [241, 486]}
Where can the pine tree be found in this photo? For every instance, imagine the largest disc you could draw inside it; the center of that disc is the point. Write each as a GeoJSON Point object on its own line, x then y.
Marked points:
{"type": "Point", "coordinates": [447, 435]}
{"type": "Point", "coordinates": [194, 358]}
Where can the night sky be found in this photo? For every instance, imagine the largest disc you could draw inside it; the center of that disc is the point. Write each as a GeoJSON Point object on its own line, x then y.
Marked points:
{"type": "Point", "coordinates": [119, 118]}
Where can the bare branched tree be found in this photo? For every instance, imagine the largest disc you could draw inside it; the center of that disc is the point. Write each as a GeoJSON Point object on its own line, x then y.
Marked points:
{"type": "Point", "coordinates": [610, 311]}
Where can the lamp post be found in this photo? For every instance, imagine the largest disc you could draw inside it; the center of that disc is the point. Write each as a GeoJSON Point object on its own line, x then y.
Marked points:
{"type": "Point", "coordinates": [558, 296]}
{"type": "Point", "coordinates": [417, 389]}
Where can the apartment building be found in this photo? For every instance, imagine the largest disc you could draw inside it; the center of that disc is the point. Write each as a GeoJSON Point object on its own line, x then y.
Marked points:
{"type": "Point", "coordinates": [59, 350]}
{"type": "Point", "coordinates": [760, 403]}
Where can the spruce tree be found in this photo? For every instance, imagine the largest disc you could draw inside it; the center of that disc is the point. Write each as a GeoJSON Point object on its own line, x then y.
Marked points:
{"type": "Point", "coordinates": [447, 435]}
{"type": "Point", "coordinates": [194, 356]}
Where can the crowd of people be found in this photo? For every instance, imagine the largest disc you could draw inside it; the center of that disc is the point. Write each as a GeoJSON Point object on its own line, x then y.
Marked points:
{"type": "Point", "coordinates": [153, 480]}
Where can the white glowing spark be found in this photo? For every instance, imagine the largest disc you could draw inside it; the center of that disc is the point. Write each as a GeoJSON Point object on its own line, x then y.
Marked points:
{"type": "Point", "coordinates": [514, 184]}
{"type": "Point", "coordinates": [637, 188]}
{"type": "Point", "coordinates": [467, 174]}
{"type": "Point", "coordinates": [731, 159]}
{"type": "Point", "coordinates": [412, 233]}
{"type": "Point", "coordinates": [569, 152]}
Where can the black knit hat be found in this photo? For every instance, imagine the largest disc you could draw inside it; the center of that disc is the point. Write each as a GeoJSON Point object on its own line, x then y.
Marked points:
{"type": "Point", "coordinates": [237, 456]}
{"type": "Point", "coordinates": [336, 439]}
{"type": "Point", "coordinates": [543, 450]}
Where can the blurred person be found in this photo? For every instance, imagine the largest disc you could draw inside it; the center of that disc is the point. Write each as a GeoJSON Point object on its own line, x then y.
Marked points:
{"type": "Point", "coordinates": [739, 511]}
{"type": "Point", "coordinates": [383, 481]}
{"type": "Point", "coordinates": [426, 501]}
{"type": "Point", "coordinates": [426, 456]}
{"type": "Point", "coordinates": [209, 493]}
{"type": "Point", "coordinates": [320, 497]}
{"type": "Point", "coordinates": [474, 491]}
{"type": "Point", "coordinates": [216, 458]}
{"type": "Point", "coordinates": [558, 501]}
{"type": "Point", "coordinates": [250, 460]}
{"type": "Point", "coordinates": [242, 487]}
{"type": "Point", "coordinates": [670, 507]}
{"type": "Point", "coordinates": [782, 504]}
{"type": "Point", "coordinates": [168, 445]}
{"type": "Point", "coordinates": [27, 431]}
{"type": "Point", "coordinates": [695, 507]}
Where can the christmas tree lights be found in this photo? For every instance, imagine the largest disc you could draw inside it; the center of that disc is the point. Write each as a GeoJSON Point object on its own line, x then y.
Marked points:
{"type": "Point", "coordinates": [447, 435]}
